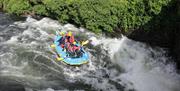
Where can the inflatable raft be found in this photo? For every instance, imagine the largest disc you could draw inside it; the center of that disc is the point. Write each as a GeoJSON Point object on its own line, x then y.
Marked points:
{"type": "Point", "coordinates": [64, 56]}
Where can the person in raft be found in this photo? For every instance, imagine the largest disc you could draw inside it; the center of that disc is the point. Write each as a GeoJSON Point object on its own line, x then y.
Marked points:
{"type": "Point", "coordinates": [68, 42]}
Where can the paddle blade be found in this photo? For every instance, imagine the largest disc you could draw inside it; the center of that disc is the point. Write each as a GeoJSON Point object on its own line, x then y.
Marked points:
{"type": "Point", "coordinates": [59, 59]}
{"type": "Point", "coordinates": [53, 46]}
{"type": "Point", "coordinates": [84, 42]}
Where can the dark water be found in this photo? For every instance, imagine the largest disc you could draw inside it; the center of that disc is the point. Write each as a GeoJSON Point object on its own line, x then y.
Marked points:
{"type": "Point", "coordinates": [27, 64]}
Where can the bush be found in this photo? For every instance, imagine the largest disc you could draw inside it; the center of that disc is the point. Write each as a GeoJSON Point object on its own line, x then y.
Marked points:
{"type": "Point", "coordinates": [95, 15]}
{"type": "Point", "coordinates": [40, 10]}
{"type": "Point", "coordinates": [16, 6]}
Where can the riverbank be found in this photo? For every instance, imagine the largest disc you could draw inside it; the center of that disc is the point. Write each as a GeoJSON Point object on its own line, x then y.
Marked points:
{"type": "Point", "coordinates": [98, 16]}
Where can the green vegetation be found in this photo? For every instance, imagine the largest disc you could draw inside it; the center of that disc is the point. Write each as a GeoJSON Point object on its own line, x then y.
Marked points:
{"type": "Point", "coordinates": [95, 15]}
{"type": "Point", "coordinates": [15, 6]}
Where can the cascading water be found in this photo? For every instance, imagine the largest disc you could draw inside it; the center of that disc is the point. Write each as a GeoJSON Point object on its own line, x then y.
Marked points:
{"type": "Point", "coordinates": [115, 64]}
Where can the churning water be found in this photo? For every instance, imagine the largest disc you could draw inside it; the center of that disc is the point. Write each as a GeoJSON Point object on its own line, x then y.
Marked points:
{"type": "Point", "coordinates": [115, 64]}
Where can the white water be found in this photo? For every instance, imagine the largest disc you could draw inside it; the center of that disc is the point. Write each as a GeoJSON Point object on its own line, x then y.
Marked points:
{"type": "Point", "coordinates": [120, 62]}
{"type": "Point", "coordinates": [145, 68]}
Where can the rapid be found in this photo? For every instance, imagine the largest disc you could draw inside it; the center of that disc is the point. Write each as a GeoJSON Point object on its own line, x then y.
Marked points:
{"type": "Point", "coordinates": [115, 64]}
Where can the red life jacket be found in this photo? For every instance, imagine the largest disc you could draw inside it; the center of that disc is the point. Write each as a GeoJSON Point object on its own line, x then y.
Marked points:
{"type": "Point", "coordinates": [62, 45]}
{"type": "Point", "coordinates": [74, 48]}
{"type": "Point", "coordinates": [69, 47]}
{"type": "Point", "coordinates": [69, 39]}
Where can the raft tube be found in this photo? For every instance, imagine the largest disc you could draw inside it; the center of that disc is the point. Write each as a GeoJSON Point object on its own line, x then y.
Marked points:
{"type": "Point", "coordinates": [68, 60]}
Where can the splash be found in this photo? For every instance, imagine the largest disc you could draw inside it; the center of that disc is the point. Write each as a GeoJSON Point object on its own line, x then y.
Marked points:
{"type": "Point", "coordinates": [144, 68]}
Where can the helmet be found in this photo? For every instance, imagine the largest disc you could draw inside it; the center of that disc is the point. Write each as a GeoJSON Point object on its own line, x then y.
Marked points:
{"type": "Point", "coordinates": [74, 43]}
{"type": "Point", "coordinates": [69, 33]}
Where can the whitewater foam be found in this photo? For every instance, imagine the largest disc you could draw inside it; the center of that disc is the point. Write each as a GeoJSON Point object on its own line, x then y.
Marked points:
{"type": "Point", "coordinates": [145, 68]}
{"type": "Point", "coordinates": [114, 62]}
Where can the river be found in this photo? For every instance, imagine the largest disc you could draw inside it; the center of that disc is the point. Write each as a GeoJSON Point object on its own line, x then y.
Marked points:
{"type": "Point", "coordinates": [115, 64]}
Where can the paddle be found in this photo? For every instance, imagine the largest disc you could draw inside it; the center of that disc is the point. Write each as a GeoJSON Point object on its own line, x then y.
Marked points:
{"type": "Point", "coordinates": [84, 42]}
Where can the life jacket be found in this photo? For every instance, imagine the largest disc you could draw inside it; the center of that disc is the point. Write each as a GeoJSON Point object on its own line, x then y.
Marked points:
{"type": "Point", "coordinates": [69, 39]}
{"type": "Point", "coordinates": [62, 45]}
{"type": "Point", "coordinates": [74, 48]}
{"type": "Point", "coordinates": [69, 47]}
